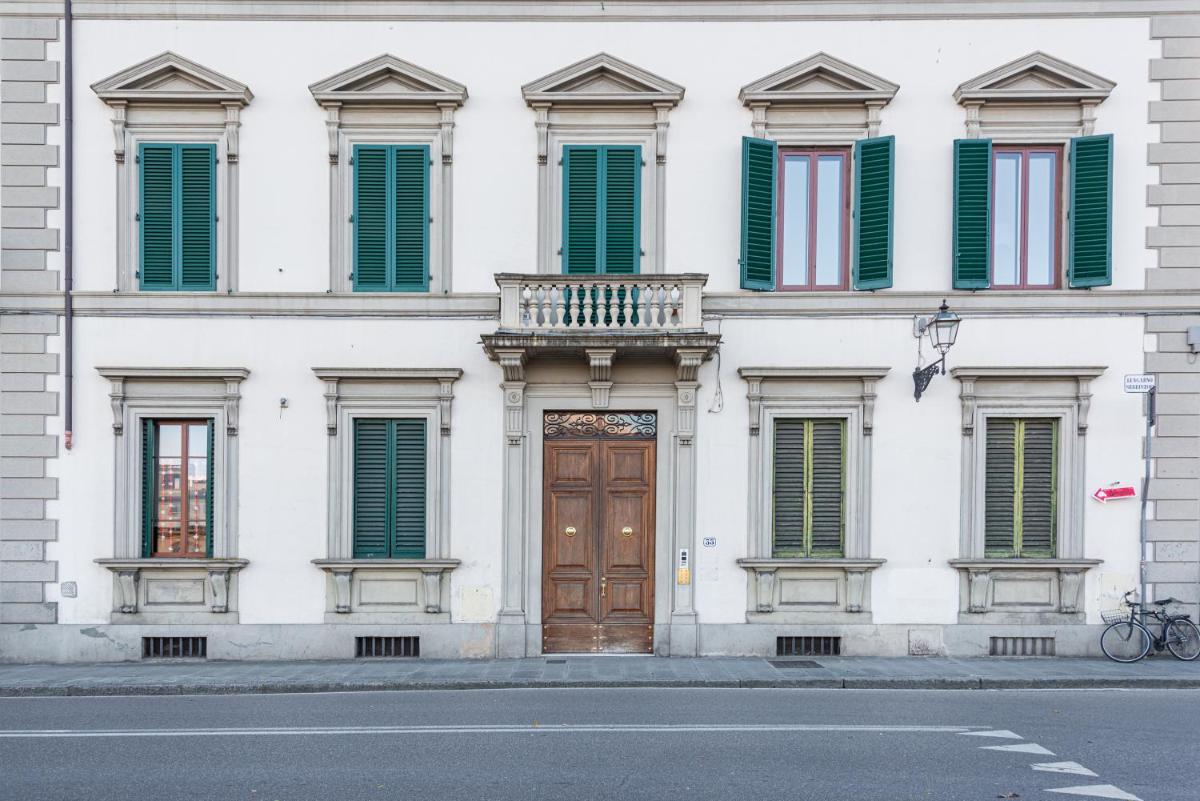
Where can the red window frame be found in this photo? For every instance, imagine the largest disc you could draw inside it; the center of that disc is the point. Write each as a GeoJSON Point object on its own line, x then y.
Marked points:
{"type": "Point", "coordinates": [182, 497]}
{"type": "Point", "coordinates": [813, 154]}
{"type": "Point", "coordinates": [1023, 229]}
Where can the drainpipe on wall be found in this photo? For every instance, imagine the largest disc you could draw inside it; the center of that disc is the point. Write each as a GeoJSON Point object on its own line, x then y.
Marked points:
{"type": "Point", "coordinates": [68, 231]}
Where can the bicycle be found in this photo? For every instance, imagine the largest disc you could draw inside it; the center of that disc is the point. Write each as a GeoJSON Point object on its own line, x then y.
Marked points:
{"type": "Point", "coordinates": [1128, 639]}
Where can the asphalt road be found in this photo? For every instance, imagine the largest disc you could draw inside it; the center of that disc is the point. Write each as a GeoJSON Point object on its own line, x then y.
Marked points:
{"type": "Point", "coordinates": [892, 745]}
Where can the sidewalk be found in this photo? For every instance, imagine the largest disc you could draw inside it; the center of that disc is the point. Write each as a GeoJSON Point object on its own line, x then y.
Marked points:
{"type": "Point", "coordinates": [176, 678]}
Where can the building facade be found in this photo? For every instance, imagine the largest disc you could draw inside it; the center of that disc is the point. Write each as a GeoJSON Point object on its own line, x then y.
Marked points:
{"type": "Point", "coordinates": [518, 328]}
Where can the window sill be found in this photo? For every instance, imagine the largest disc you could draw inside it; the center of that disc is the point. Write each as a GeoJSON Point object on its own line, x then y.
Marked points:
{"type": "Point", "coordinates": [175, 586]}
{"type": "Point", "coordinates": [814, 589]}
{"type": "Point", "coordinates": [1009, 590]}
{"type": "Point", "coordinates": [387, 590]}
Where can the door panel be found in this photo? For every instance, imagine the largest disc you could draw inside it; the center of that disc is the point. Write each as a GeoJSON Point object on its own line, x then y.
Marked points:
{"type": "Point", "coordinates": [598, 546]}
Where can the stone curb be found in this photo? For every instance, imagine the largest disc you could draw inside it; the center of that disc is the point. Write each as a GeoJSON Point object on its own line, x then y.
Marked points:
{"type": "Point", "coordinates": [848, 683]}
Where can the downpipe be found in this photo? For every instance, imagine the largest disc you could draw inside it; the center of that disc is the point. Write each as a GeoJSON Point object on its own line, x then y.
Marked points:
{"type": "Point", "coordinates": [68, 233]}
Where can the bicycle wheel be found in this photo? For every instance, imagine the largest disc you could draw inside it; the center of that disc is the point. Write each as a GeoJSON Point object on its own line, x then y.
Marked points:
{"type": "Point", "coordinates": [1183, 639]}
{"type": "Point", "coordinates": [1126, 641]}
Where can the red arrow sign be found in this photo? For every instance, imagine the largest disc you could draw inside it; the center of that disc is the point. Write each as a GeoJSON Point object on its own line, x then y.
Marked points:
{"type": "Point", "coordinates": [1105, 494]}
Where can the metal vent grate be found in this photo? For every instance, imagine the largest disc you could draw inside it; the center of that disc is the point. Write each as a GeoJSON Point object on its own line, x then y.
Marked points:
{"type": "Point", "coordinates": [808, 646]}
{"type": "Point", "coordinates": [387, 646]}
{"type": "Point", "coordinates": [1021, 646]}
{"type": "Point", "coordinates": [174, 647]}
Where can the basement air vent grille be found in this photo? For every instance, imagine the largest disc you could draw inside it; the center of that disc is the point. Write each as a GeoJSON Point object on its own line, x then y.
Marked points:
{"type": "Point", "coordinates": [1021, 646]}
{"type": "Point", "coordinates": [387, 646]}
{"type": "Point", "coordinates": [808, 646]}
{"type": "Point", "coordinates": [174, 647]}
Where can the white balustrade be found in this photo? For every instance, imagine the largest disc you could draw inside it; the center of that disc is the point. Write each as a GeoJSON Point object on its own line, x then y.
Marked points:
{"type": "Point", "coordinates": [661, 303]}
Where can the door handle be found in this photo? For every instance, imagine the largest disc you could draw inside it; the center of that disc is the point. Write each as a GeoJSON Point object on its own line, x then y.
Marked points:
{"type": "Point", "coordinates": [569, 531]}
{"type": "Point", "coordinates": [603, 585]}
{"type": "Point", "coordinates": [627, 532]}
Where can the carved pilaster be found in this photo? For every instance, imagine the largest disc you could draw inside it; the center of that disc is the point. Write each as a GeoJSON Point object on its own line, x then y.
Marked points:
{"type": "Point", "coordinates": [868, 399]}
{"type": "Point", "coordinates": [127, 586]}
{"type": "Point", "coordinates": [512, 363]}
{"type": "Point", "coordinates": [118, 123]}
{"type": "Point", "coordinates": [967, 394]}
{"type": "Point", "coordinates": [1084, 398]}
{"type": "Point", "coordinates": [218, 580]}
{"type": "Point", "coordinates": [978, 580]}
{"type": "Point", "coordinates": [687, 363]}
{"type": "Point", "coordinates": [333, 124]}
{"type": "Point", "coordinates": [232, 124]}
{"type": "Point", "coordinates": [856, 589]}
{"type": "Point", "coordinates": [331, 403]}
{"type": "Point", "coordinates": [542, 124]}
{"type": "Point", "coordinates": [873, 117]}
{"type": "Point", "coordinates": [1087, 118]}
{"type": "Point", "coordinates": [432, 578]}
{"type": "Point", "coordinates": [600, 370]}
{"type": "Point", "coordinates": [759, 120]}
{"type": "Point", "coordinates": [232, 398]}
{"type": "Point", "coordinates": [660, 129]}
{"type": "Point", "coordinates": [1069, 583]}
{"type": "Point", "coordinates": [446, 126]}
{"type": "Point", "coordinates": [765, 579]}
{"type": "Point", "coordinates": [445, 399]}
{"type": "Point", "coordinates": [754, 393]}
{"type": "Point", "coordinates": [514, 412]}
{"type": "Point", "coordinates": [341, 590]}
{"type": "Point", "coordinates": [685, 411]}
{"type": "Point", "coordinates": [972, 119]}
{"type": "Point", "coordinates": [116, 397]}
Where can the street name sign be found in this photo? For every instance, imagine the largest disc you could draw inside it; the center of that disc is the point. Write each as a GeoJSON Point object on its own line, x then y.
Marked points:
{"type": "Point", "coordinates": [1139, 383]}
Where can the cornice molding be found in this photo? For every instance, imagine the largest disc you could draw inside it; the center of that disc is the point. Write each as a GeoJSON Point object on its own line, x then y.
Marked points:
{"type": "Point", "coordinates": [1035, 78]}
{"type": "Point", "coordinates": [433, 375]}
{"type": "Point", "coordinates": [388, 80]}
{"type": "Point", "coordinates": [819, 79]}
{"type": "Point", "coordinates": [234, 374]}
{"type": "Point", "coordinates": [1025, 373]}
{"type": "Point", "coordinates": [171, 78]}
{"type": "Point", "coordinates": [813, 373]}
{"type": "Point", "coordinates": [602, 80]}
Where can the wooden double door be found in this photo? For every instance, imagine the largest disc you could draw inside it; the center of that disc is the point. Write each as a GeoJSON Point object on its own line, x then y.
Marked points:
{"type": "Point", "coordinates": [598, 536]}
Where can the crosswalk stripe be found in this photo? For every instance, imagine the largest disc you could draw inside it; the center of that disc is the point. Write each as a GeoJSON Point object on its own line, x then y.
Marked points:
{"type": "Point", "coordinates": [1021, 748]}
{"type": "Point", "coordinates": [1005, 733]}
{"type": "Point", "coordinates": [1063, 767]}
{"type": "Point", "coordinates": [1097, 791]}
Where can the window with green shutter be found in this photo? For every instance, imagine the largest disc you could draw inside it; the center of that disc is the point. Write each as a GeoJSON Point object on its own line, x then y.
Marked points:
{"type": "Point", "coordinates": [391, 218]}
{"type": "Point", "coordinates": [389, 514]}
{"type": "Point", "coordinates": [809, 487]}
{"type": "Point", "coordinates": [757, 258]}
{"type": "Point", "coordinates": [601, 209]}
{"type": "Point", "coordinates": [972, 213]}
{"type": "Point", "coordinates": [177, 488]}
{"type": "Point", "coordinates": [874, 201]}
{"type": "Point", "coordinates": [1021, 487]}
{"type": "Point", "coordinates": [1090, 239]}
{"type": "Point", "coordinates": [177, 216]}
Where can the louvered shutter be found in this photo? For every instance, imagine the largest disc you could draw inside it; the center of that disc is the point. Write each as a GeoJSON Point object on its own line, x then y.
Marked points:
{"type": "Point", "coordinates": [759, 159]}
{"type": "Point", "coordinates": [409, 490]}
{"type": "Point", "coordinates": [581, 210]}
{"type": "Point", "coordinates": [972, 213]}
{"type": "Point", "coordinates": [789, 484]}
{"type": "Point", "coordinates": [371, 515]}
{"type": "Point", "coordinates": [1000, 501]}
{"type": "Point", "coordinates": [826, 491]}
{"type": "Point", "coordinates": [370, 218]}
{"type": "Point", "coordinates": [622, 245]}
{"type": "Point", "coordinates": [148, 487]}
{"type": "Point", "coordinates": [1090, 233]}
{"type": "Point", "coordinates": [210, 493]}
{"type": "Point", "coordinates": [411, 225]}
{"type": "Point", "coordinates": [157, 201]}
{"type": "Point", "coordinates": [874, 180]}
{"type": "Point", "coordinates": [197, 209]}
{"type": "Point", "coordinates": [1039, 486]}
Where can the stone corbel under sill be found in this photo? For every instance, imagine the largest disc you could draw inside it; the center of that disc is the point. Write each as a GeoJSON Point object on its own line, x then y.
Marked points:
{"type": "Point", "coordinates": [128, 573]}
{"type": "Point", "coordinates": [432, 571]}
{"type": "Point", "coordinates": [979, 576]}
{"type": "Point", "coordinates": [856, 571]}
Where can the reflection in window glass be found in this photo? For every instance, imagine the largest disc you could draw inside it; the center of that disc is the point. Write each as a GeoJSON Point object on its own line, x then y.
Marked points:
{"type": "Point", "coordinates": [181, 500]}
{"type": "Point", "coordinates": [1006, 214]}
{"type": "Point", "coordinates": [795, 221]}
{"type": "Point", "coordinates": [1040, 239]}
{"type": "Point", "coordinates": [829, 220]}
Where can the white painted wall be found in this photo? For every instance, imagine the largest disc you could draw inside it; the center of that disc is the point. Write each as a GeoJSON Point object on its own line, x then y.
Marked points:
{"type": "Point", "coordinates": [284, 247]}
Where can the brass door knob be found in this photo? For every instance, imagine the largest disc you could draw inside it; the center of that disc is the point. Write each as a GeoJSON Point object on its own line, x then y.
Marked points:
{"type": "Point", "coordinates": [627, 532]}
{"type": "Point", "coordinates": [569, 531]}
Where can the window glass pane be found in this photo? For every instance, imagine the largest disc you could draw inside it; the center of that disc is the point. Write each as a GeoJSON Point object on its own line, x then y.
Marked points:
{"type": "Point", "coordinates": [197, 492]}
{"type": "Point", "coordinates": [1041, 226]}
{"type": "Point", "coordinates": [795, 221]}
{"type": "Point", "coordinates": [168, 479]}
{"type": "Point", "coordinates": [829, 220]}
{"type": "Point", "coordinates": [1006, 219]}
{"type": "Point", "coordinates": [170, 438]}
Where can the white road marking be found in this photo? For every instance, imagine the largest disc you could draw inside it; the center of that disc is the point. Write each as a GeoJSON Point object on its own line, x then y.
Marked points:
{"type": "Point", "coordinates": [1063, 767]}
{"type": "Point", "coordinates": [469, 729]}
{"type": "Point", "coordinates": [1023, 748]}
{"type": "Point", "coordinates": [1005, 733]}
{"type": "Point", "coordinates": [1097, 791]}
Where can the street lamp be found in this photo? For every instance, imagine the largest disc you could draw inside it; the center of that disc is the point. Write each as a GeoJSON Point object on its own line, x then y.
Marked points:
{"type": "Point", "coordinates": [942, 330]}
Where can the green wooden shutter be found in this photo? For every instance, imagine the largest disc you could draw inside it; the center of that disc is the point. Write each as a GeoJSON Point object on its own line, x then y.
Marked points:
{"type": "Point", "coordinates": [874, 182]}
{"type": "Point", "coordinates": [759, 159]}
{"type": "Point", "coordinates": [210, 493]}
{"type": "Point", "coordinates": [197, 215]}
{"type": "Point", "coordinates": [622, 195]}
{"type": "Point", "coordinates": [972, 213]}
{"type": "Point", "coordinates": [1000, 488]}
{"type": "Point", "coordinates": [581, 210]}
{"type": "Point", "coordinates": [788, 492]}
{"type": "Point", "coordinates": [409, 487]}
{"type": "Point", "coordinates": [1090, 233]}
{"type": "Point", "coordinates": [149, 487]}
{"type": "Point", "coordinates": [1038, 468]}
{"type": "Point", "coordinates": [371, 218]}
{"type": "Point", "coordinates": [156, 213]}
{"type": "Point", "coordinates": [827, 487]}
{"type": "Point", "coordinates": [371, 515]}
{"type": "Point", "coordinates": [411, 225]}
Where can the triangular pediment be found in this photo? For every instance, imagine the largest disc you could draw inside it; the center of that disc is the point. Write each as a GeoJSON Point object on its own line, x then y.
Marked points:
{"type": "Point", "coordinates": [387, 79]}
{"type": "Point", "coordinates": [1035, 77]}
{"type": "Point", "coordinates": [171, 78]}
{"type": "Point", "coordinates": [820, 78]}
{"type": "Point", "coordinates": [602, 79]}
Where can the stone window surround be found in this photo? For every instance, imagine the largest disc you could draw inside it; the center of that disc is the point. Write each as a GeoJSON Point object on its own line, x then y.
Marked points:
{"type": "Point", "coordinates": [1058, 392]}
{"type": "Point", "coordinates": [140, 393]}
{"type": "Point", "coordinates": [573, 115]}
{"type": "Point", "coordinates": [781, 392]}
{"type": "Point", "coordinates": [362, 116]}
{"type": "Point", "coordinates": [352, 393]}
{"type": "Point", "coordinates": [142, 113]}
